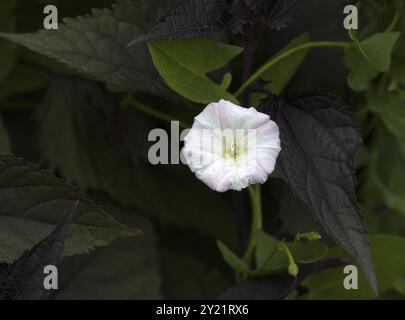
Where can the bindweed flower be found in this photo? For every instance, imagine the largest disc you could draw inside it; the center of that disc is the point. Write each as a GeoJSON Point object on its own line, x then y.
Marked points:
{"type": "Point", "coordinates": [230, 147]}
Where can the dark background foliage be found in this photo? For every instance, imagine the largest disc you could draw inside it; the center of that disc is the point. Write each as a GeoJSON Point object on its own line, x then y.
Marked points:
{"type": "Point", "coordinates": [80, 129]}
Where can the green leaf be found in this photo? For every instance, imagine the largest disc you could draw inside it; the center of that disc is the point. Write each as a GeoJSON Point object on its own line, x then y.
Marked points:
{"type": "Point", "coordinates": [226, 81]}
{"type": "Point", "coordinates": [399, 285]}
{"type": "Point", "coordinates": [378, 48]}
{"type": "Point", "coordinates": [281, 73]}
{"type": "Point", "coordinates": [266, 247]}
{"type": "Point", "coordinates": [127, 269]}
{"type": "Point", "coordinates": [184, 65]}
{"type": "Point", "coordinates": [97, 44]}
{"type": "Point", "coordinates": [33, 201]}
{"type": "Point", "coordinates": [232, 259]}
{"type": "Point", "coordinates": [308, 252]}
{"type": "Point", "coordinates": [362, 73]}
{"type": "Point", "coordinates": [390, 108]}
{"type": "Point", "coordinates": [385, 184]}
{"type": "Point", "coordinates": [269, 256]}
{"type": "Point", "coordinates": [389, 259]}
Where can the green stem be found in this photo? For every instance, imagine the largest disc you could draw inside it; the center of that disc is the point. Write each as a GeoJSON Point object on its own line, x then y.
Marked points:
{"type": "Point", "coordinates": [287, 252]}
{"type": "Point", "coordinates": [152, 112]}
{"type": "Point", "coordinates": [396, 18]}
{"type": "Point", "coordinates": [284, 55]}
{"type": "Point", "coordinates": [394, 22]}
{"type": "Point", "coordinates": [255, 198]}
{"type": "Point", "coordinates": [292, 266]}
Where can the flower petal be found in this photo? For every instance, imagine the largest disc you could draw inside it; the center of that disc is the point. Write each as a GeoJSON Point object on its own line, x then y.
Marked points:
{"type": "Point", "coordinates": [221, 156]}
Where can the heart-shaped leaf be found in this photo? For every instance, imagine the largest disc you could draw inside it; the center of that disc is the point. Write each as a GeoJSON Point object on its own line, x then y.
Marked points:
{"type": "Point", "coordinates": [362, 73]}
{"type": "Point", "coordinates": [378, 48]}
{"type": "Point", "coordinates": [183, 64]}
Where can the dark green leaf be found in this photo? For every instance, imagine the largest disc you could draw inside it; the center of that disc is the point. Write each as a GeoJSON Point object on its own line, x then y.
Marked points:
{"type": "Point", "coordinates": [318, 141]}
{"type": "Point", "coordinates": [191, 19]}
{"type": "Point", "coordinates": [127, 269]}
{"type": "Point", "coordinates": [33, 201]}
{"type": "Point", "coordinates": [24, 279]}
{"type": "Point", "coordinates": [97, 44]}
{"type": "Point", "coordinates": [274, 13]}
{"type": "Point", "coordinates": [294, 214]}
{"type": "Point", "coordinates": [272, 288]}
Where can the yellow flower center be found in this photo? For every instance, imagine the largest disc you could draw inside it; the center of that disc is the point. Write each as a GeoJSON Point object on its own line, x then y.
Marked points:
{"type": "Point", "coordinates": [232, 149]}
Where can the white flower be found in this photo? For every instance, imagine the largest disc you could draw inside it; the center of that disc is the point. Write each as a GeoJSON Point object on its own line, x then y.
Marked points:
{"type": "Point", "coordinates": [230, 147]}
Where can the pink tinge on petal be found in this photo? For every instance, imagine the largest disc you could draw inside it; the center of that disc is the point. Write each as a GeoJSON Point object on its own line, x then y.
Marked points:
{"type": "Point", "coordinates": [267, 135]}
{"type": "Point", "coordinates": [236, 117]}
{"type": "Point", "coordinates": [267, 158]}
{"type": "Point", "coordinates": [254, 137]}
{"type": "Point", "coordinates": [214, 175]}
{"type": "Point", "coordinates": [259, 174]}
{"type": "Point", "coordinates": [209, 118]}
